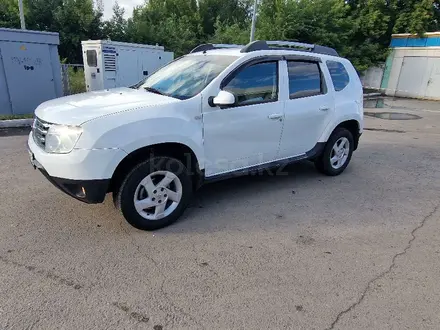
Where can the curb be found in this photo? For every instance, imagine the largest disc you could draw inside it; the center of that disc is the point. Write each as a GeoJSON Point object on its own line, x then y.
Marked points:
{"type": "Point", "coordinates": [16, 123]}
{"type": "Point", "coordinates": [372, 95]}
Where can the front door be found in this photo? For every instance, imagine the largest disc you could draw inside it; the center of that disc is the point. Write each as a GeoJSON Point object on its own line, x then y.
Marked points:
{"type": "Point", "coordinates": [308, 108]}
{"type": "Point", "coordinates": [248, 133]}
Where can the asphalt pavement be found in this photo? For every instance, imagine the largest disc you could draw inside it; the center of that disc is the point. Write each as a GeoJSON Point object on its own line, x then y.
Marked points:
{"type": "Point", "coordinates": [296, 251]}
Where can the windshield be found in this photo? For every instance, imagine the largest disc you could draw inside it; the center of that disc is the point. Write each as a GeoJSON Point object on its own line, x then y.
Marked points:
{"type": "Point", "coordinates": [187, 76]}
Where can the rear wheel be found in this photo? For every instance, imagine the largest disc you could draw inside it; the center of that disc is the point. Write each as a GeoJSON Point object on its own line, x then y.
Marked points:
{"type": "Point", "coordinates": [155, 193]}
{"type": "Point", "coordinates": [337, 153]}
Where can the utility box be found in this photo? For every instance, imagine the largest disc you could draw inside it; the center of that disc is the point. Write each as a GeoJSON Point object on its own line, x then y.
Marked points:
{"type": "Point", "coordinates": [110, 64]}
{"type": "Point", "coordinates": [30, 71]}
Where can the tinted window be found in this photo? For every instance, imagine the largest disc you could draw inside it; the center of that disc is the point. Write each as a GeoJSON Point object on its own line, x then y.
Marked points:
{"type": "Point", "coordinates": [339, 75]}
{"type": "Point", "coordinates": [255, 84]}
{"type": "Point", "coordinates": [92, 59]}
{"type": "Point", "coordinates": [304, 79]}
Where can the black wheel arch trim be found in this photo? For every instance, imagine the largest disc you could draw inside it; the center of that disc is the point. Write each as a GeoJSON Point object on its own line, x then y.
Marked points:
{"type": "Point", "coordinates": [356, 133]}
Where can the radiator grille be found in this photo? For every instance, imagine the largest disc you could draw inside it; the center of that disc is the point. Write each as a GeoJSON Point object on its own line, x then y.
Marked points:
{"type": "Point", "coordinates": [39, 132]}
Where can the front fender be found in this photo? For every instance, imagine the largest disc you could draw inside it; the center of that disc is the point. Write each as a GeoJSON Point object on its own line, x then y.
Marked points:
{"type": "Point", "coordinates": [134, 129]}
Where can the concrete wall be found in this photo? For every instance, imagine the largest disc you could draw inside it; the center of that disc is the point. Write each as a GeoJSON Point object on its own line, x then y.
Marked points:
{"type": "Point", "coordinates": [372, 78]}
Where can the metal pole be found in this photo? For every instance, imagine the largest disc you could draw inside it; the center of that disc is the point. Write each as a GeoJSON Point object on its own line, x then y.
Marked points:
{"type": "Point", "coordinates": [254, 20]}
{"type": "Point", "coordinates": [20, 7]}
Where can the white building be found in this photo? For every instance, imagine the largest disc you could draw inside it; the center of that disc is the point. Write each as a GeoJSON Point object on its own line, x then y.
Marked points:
{"type": "Point", "coordinates": [413, 67]}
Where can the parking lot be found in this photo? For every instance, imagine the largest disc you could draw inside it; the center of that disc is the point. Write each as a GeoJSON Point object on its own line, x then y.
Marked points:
{"type": "Point", "coordinates": [295, 251]}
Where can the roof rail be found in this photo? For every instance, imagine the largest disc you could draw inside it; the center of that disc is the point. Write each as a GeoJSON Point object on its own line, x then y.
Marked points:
{"type": "Point", "coordinates": [288, 45]}
{"type": "Point", "coordinates": [205, 47]}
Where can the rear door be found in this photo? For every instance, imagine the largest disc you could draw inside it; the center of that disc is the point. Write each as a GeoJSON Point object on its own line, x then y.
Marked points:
{"type": "Point", "coordinates": [308, 108]}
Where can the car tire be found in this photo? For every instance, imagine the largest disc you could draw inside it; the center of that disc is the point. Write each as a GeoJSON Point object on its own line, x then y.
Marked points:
{"type": "Point", "coordinates": [155, 193]}
{"type": "Point", "coordinates": [337, 153]}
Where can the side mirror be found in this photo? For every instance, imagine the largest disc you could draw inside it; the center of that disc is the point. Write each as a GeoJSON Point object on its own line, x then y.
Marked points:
{"type": "Point", "coordinates": [223, 98]}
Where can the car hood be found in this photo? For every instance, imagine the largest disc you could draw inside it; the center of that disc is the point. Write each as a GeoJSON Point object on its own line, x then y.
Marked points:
{"type": "Point", "coordinates": [80, 108]}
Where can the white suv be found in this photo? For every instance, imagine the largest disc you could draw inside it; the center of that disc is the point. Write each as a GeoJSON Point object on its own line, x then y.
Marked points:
{"type": "Point", "coordinates": [220, 111]}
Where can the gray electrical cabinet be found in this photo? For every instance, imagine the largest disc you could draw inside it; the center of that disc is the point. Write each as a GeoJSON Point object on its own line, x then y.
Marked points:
{"type": "Point", "coordinates": [30, 71]}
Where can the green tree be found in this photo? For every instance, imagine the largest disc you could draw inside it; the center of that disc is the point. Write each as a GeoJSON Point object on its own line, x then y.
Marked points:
{"type": "Point", "coordinates": [359, 29]}
{"type": "Point", "coordinates": [230, 34]}
{"type": "Point", "coordinates": [224, 13]}
{"type": "Point", "coordinates": [174, 24]}
{"type": "Point", "coordinates": [76, 20]}
{"type": "Point", "coordinates": [413, 16]}
{"type": "Point", "coordinates": [312, 21]}
{"type": "Point", "coordinates": [116, 27]}
{"type": "Point", "coordinates": [40, 14]}
{"type": "Point", "coordinates": [368, 44]}
{"type": "Point", "coordinates": [9, 16]}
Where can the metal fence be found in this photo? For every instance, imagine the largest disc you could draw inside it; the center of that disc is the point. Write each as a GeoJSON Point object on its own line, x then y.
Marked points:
{"type": "Point", "coordinates": [73, 80]}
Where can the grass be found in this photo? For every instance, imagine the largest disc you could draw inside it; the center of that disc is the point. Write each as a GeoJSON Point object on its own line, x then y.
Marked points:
{"type": "Point", "coordinates": [76, 80]}
{"type": "Point", "coordinates": [371, 90]}
{"type": "Point", "coordinates": [9, 117]}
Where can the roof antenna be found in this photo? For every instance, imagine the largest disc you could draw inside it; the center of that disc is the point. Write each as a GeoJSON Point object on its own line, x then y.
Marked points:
{"type": "Point", "coordinates": [254, 20]}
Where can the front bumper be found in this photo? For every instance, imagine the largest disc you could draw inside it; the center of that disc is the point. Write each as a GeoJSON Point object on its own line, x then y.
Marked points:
{"type": "Point", "coordinates": [79, 164]}
{"type": "Point", "coordinates": [82, 174]}
{"type": "Point", "coordinates": [87, 191]}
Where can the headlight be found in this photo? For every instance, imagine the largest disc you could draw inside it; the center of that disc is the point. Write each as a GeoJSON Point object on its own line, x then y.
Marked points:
{"type": "Point", "coordinates": [61, 139]}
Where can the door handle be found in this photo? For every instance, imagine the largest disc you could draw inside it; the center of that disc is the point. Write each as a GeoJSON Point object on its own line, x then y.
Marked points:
{"type": "Point", "coordinates": [324, 108]}
{"type": "Point", "coordinates": [275, 116]}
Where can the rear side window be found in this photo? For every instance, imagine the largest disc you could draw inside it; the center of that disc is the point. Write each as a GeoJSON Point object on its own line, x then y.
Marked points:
{"type": "Point", "coordinates": [305, 79]}
{"type": "Point", "coordinates": [339, 75]}
{"type": "Point", "coordinates": [92, 58]}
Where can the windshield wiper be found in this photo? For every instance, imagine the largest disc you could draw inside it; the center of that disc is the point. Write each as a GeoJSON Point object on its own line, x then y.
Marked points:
{"type": "Point", "coordinates": [154, 90]}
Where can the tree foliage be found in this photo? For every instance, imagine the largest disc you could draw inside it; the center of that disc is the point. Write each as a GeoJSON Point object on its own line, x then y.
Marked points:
{"type": "Point", "coordinates": [116, 27]}
{"type": "Point", "coordinates": [359, 29]}
{"type": "Point", "coordinates": [9, 16]}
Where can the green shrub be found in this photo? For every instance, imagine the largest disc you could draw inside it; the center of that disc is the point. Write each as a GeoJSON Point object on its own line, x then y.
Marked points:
{"type": "Point", "coordinates": [76, 80]}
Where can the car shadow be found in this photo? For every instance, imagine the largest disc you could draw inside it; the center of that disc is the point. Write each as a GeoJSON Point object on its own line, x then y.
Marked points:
{"type": "Point", "coordinates": [300, 170]}
{"type": "Point", "coordinates": [210, 201]}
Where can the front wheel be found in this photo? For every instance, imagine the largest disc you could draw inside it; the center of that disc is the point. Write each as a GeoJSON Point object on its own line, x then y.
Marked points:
{"type": "Point", "coordinates": [337, 153]}
{"type": "Point", "coordinates": [155, 193]}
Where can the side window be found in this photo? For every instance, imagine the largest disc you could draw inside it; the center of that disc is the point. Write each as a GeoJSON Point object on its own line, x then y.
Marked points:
{"type": "Point", "coordinates": [339, 75]}
{"type": "Point", "coordinates": [257, 83]}
{"type": "Point", "coordinates": [305, 79]}
{"type": "Point", "coordinates": [92, 59]}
